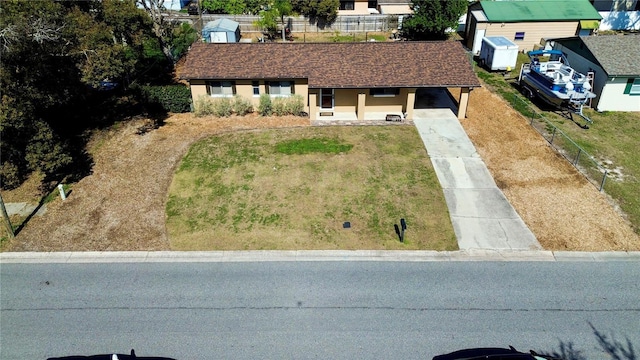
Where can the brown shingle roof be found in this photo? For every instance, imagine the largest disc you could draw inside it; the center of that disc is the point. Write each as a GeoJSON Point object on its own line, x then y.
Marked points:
{"type": "Point", "coordinates": [336, 65]}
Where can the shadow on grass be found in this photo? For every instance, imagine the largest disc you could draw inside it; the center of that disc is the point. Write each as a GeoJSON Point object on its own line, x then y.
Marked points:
{"type": "Point", "coordinates": [615, 349]}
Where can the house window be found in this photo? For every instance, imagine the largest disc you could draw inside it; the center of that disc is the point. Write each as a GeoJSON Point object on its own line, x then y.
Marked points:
{"type": "Point", "coordinates": [519, 36]}
{"type": "Point", "coordinates": [384, 92]}
{"type": "Point", "coordinates": [347, 5]}
{"type": "Point", "coordinates": [633, 87]}
{"type": "Point", "coordinates": [256, 88]}
{"type": "Point", "coordinates": [280, 88]}
{"type": "Point", "coordinates": [372, 4]}
{"type": "Point", "coordinates": [222, 88]}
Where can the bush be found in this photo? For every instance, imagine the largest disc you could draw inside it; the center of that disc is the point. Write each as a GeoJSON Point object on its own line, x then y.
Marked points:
{"type": "Point", "coordinates": [222, 107]}
{"type": "Point", "coordinates": [203, 106]}
{"type": "Point", "coordinates": [169, 98]}
{"type": "Point", "coordinates": [10, 176]}
{"type": "Point", "coordinates": [295, 105]}
{"type": "Point", "coordinates": [279, 106]}
{"type": "Point", "coordinates": [265, 106]}
{"type": "Point", "coordinates": [242, 106]}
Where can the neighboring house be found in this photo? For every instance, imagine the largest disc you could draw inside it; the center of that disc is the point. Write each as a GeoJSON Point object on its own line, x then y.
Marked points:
{"type": "Point", "coordinates": [394, 7]}
{"type": "Point", "coordinates": [618, 14]}
{"type": "Point", "coordinates": [221, 31]}
{"type": "Point", "coordinates": [358, 7]}
{"type": "Point", "coordinates": [615, 61]}
{"type": "Point", "coordinates": [527, 22]}
{"type": "Point", "coordinates": [347, 81]}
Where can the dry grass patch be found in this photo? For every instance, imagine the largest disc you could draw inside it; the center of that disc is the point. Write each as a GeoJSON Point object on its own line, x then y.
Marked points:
{"type": "Point", "coordinates": [294, 189]}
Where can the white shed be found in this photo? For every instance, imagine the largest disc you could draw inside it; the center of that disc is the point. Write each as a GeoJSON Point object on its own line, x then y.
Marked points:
{"type": "Point", "coordinates": [221, 31]}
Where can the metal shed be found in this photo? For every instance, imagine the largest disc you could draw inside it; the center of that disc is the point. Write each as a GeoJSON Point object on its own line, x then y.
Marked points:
{"type": "Point", "coordinates": [221, 31]}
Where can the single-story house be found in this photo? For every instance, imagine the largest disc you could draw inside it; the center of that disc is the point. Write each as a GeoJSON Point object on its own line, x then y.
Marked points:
{"type": "Point", "coordinates": [527, 22]}
{"type": "Point", "coordinates": [614, 62]}
{"type": "Point", "coordinates": [221, 31]}
{"type": "Point", "coordinates": [350, 80]}
{"type": "Point", "coordinates": [395, 7]}
{"type": "Point", "coordinates": [357, 7]}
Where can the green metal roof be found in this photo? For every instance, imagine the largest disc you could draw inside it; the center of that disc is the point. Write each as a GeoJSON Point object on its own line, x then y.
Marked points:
{"type": "Point", "coordinates": [539, 10]}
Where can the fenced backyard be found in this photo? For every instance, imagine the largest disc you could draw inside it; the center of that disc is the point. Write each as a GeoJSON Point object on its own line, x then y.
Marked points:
{"type": "Point", "coordinates": [577, 156]}
{"type": "Point", "coordinates": [300, 24]}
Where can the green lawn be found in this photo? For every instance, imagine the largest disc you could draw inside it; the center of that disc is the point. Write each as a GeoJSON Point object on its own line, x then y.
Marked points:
{"type": "Point", "coordinates": [295, 189]}
{"type": "Point", "coordinates": [613, 139]}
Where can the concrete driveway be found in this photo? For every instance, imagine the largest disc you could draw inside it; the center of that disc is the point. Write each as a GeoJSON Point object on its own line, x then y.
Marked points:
{"type": "Point", "coordinates": [482, 216]}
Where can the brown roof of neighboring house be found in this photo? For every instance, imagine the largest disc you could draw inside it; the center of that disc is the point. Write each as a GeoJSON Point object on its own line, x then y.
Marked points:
{"type": "Point", "coordinates": [336, 65]}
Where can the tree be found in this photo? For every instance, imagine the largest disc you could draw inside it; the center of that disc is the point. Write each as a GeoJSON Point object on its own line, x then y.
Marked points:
{"type": "Point", "coordinates": [283, 9]}
{"type": "Point", "coordinates": [319, 11]}
{"type": "Point", "coordinates": [431, 18]}
{"type": "Point", "coordinates": [183, 36]}
{"type": "Point", "coordinates": [160, 26]}
{"type": "Point", "coordinates": [53, 54]}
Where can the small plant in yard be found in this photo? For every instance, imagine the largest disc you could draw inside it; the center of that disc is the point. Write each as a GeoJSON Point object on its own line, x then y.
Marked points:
{"type": "Point", "coordinates": [294, 105]}
{"type": "Point", "coordinates": [279, 106]}
{"type": "Point", "coordinates": [203, 106]}
{"type": "Point", "coordinates": [265, 105]}
{"type": "Point", "coordinates": [242, 106]}
{"type": "Point", "coordinates": [222, 107]}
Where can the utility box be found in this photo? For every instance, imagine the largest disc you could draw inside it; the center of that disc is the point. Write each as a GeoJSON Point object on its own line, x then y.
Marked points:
{"type": "Point", "coordinates": [498, 53]}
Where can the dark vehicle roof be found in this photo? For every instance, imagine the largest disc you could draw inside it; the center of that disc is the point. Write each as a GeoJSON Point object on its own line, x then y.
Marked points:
{"type": "Point", "coordinates": [489, 354]}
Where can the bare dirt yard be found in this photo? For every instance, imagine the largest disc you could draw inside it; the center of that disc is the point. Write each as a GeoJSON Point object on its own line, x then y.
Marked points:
{"type": "Point", "coordinates": [121, 205]}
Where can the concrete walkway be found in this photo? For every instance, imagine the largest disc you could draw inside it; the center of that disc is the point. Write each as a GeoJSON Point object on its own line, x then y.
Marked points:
{"type": "Point", "coordinates": [482, 216]}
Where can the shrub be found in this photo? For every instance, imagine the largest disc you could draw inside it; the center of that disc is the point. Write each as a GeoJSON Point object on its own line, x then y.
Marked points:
{"type": "Point", "coordinates": [10, 176]}
{"type": "Point", "coordinates": [265, 105]}
{"type": "Point", "coordinates": [294, 105]}
{"type": "Point", "coordinates": [169, 98]}
{"type": "Point", "coordinates": [242, 106]}
{"type": "Point", "coordinates": [279, 106]}
{"type": "Point", "coordinates": [203, 106]}
{"type": "Point", "coordinates": [222, 107]}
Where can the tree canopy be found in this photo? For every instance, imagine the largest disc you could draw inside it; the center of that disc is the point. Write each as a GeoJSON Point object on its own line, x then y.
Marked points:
{"type": "Point", "coordinates": [431, 18]}
{"type": "Point", "coordinates": [57, 57]}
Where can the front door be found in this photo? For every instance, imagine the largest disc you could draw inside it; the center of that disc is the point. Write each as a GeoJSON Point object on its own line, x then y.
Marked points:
{"type": "Point", "coordinates": [326, 99]}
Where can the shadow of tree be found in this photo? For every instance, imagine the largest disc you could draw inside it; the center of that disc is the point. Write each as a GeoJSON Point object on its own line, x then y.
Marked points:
{"type": "Point", "coordinates": [615, 349]}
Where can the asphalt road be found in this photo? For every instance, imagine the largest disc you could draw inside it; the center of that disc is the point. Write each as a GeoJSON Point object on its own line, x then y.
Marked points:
{"type": "Point", "coordinates": [316, 310]}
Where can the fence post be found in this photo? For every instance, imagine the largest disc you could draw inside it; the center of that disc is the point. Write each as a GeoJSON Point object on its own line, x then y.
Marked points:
{"type": "Point", "coordinates": [604, 177]}
{"type": "Point", "coordinates": [553, 135]}
{"type": "Point", "coordinates": [577, 157]}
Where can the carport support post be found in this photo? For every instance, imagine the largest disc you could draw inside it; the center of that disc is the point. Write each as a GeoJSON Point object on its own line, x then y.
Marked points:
{"type": "Point", "coordinates": [463, 102]}
{"type": "Point", "coordinates": [313, 101]}
{"type": "Point", "coordinates": [411, 100]}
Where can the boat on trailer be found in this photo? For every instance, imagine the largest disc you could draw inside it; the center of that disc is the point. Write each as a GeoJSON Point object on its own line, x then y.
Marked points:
{"type": "Point", "coordinates": [549, 77]}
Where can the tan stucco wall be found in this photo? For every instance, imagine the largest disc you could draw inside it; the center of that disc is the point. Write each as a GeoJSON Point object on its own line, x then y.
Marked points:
{"type": "Point", "coordinates": [390, 104]}
{"type": "Point", "coordinates": [360, 8]}
{"type": "Point", "coordinates": [534, 31]}
{"type": "Point", "coordinates": [346, 100]}
{"type": "Point", "coordinates": [244, 88]}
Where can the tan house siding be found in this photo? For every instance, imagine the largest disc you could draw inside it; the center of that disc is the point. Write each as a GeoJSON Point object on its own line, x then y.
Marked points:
{"type": "Point", "coordinates": [534, 31]}
{"type": "Point", "coordinates": [388, 104]}
{"type": "Point", "coordinates": [360, 8]}
{"type": "Point", "coordinates": [346, 100]}
{"type": "Point", "coordinates": [244, 88]}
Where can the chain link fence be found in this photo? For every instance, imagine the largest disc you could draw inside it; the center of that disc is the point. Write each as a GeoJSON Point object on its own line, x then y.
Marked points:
{"type": "Point", "coordinates": [578, 157]}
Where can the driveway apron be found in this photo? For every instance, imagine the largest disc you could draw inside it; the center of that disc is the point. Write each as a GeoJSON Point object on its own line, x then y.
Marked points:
{"type": "Point", "coordinates": [482, 216]}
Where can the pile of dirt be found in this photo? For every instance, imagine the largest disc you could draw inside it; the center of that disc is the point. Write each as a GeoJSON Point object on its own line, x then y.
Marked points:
{"type": "Point", "coordinates": [121, 206]}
